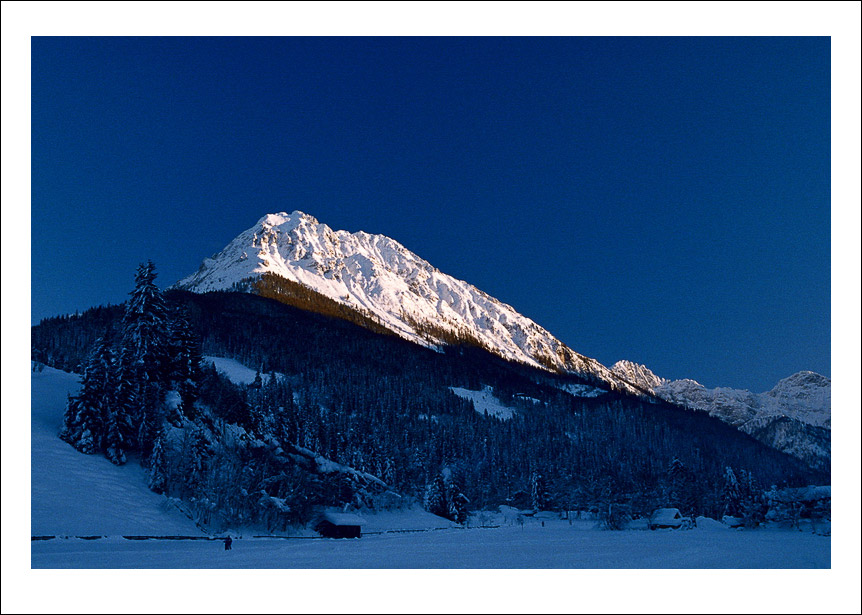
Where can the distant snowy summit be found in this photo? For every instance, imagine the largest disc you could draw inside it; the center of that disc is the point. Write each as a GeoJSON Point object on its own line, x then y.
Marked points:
{"type": "Point", "coordinates": [795, 416]}
{"type": "Point", "coordinates": [387, 285]}
{"type": "Point", "coordinates": [805, 396]}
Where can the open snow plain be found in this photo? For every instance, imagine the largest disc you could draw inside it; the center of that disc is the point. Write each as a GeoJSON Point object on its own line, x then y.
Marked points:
{"type": "Point", "coordinates": [557, 545]}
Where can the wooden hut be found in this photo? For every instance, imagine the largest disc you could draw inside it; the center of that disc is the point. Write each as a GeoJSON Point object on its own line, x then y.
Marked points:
{"type": "Point", "coordinates": [338, 525]}
{"type": "Point", "coordinates": [666, 518]}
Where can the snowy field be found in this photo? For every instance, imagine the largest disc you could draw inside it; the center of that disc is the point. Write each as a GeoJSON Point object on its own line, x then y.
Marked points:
{"type": "Point", "coordinates": [554, 546]}
{"type": "Point", "coordinates": [235, 371]}
{"type": "Point", "coordinates": [484, 402]}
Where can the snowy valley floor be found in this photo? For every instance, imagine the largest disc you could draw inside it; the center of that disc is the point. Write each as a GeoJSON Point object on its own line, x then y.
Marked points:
{"type": "Point", "coordinates": [555, 546]}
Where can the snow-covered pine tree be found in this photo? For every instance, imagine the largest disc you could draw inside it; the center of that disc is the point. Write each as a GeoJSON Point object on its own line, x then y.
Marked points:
{"type": "Point", "coordinates": [81, 425]}
{"type": "Point", "coordinates": [158, 465]}
{"type": "Point", "coordinates": [753, 505]}
{"type": "Point", "coordinates": [196, 450]}
{"type": "Point", "coordinates": [537, 491]}
{"type": "Point", "coordinates": [435, 497]}
{"type": "Point", "coordinates": [681, 491]}
{"type": "Point", "coordinates": [389, 472]}
{"type": "Point", "coordinates": [113, 438]}
{"type": "Point", "coordinates": [676, 471]}
{"type": "Point", "coordinates": [186, 362]}
{"type": "Point", "coordinates": [145, 326]}
{"type": "Point", "coordinates": [126, 400]}
{"type": "Point", "coordinates": [730, 493]}
{"type": "Point", "coordinates": [83, 421]}
{"type": "Point", "coordinates": [145, 359]}
{"type": "Point", "coordinates": [456, 502]}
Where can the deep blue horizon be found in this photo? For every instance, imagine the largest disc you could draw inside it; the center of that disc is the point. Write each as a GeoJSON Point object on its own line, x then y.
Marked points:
{"type": "Point", "coordinates": [663, 200]}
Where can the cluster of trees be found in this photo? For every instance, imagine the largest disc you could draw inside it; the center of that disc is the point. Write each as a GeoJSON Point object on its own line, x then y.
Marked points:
{"type": "Point", "coordinates": [443, 497]}
{"type": "Point", "coordinates": [205, 441]}
{"type": "Point", "coordinates": [226, 477]}
{"type": "Point", "coordinates": [744, 497]}
{"type": "Point", "coordinates": [385, 407]}
{"type": "Point", "coordinates": [790, 506]}
{"type": "Point", "coordinates": [121, 407]}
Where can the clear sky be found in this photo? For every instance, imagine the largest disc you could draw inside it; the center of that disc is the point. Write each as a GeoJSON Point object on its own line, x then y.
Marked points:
{"type": "Point", "coordinates": [664, 200]}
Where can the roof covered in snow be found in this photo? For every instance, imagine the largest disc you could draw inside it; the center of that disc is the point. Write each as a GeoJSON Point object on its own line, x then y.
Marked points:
{"type": "Point", "coordinates": [665, 515]}
{"type": "Point", "coordinates": [342, 518]}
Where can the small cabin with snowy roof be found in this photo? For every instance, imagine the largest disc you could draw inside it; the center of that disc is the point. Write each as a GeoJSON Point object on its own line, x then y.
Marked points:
{"type": "Point", "coordinates": [666, 517]}
{"type": "Point", "coordinates": [338, 525]}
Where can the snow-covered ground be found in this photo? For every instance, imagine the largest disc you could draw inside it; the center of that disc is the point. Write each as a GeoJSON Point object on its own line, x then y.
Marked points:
{"type": "Point", "coordinates": [235, 371]}
{"type": "Point", "coordinates": [555, 546]}
{"type": "Point", "coordinates": [73, 494]}
{"type": "Point", "coordinates": [484, 402]}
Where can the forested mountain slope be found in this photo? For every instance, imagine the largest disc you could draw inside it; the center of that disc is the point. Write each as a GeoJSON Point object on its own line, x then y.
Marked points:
{"type": "Point", "coordinates": [388, 407]}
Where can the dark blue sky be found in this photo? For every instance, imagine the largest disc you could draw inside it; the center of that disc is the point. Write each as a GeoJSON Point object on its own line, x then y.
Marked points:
{"type": "Point", "coordinates": [665, 200]}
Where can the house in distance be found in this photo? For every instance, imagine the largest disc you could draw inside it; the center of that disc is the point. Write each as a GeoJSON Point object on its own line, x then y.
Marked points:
{"type": "Point", "coordinates": [339, 525]}
{"type": "Point", "coordinates": [667, 518]}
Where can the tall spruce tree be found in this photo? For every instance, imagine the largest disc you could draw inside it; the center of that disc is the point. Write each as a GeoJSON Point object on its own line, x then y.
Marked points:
{"type": "Point", "coordinates": [115, 448]}
{"type": "Point", "coordinates": [186, 362]}
{"type": "Point", "coordinates": [730, 493]}
{"type": "Point", "coordinates": [145, 360]}
{"type": "Point", "coordinates": [158, 465]}
{"type": "Point", "coordinates": [456, 502]}
{"type": "Point", "coordinates": [435, 497]}
{"type": "Point", "coordinates": [682, 489]}
{"type": "Point", "coordinates": [538, 495]}
{"type": "Point", "coordinates": [83, 421]}
{"type": "Point", "coordinates": [753, 505]}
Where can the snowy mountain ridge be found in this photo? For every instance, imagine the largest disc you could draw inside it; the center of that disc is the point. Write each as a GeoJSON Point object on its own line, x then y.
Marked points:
{"type": "Point", "coordinates": [377, 276]}
{"type": "Point", "coordinates": [805, 396]}
{"type": "Point", "coordinates": [794, 417]}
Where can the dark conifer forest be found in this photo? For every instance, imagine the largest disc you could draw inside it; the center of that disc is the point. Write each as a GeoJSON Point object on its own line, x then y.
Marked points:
{"type": "Point", "coordinates": [343, 414]}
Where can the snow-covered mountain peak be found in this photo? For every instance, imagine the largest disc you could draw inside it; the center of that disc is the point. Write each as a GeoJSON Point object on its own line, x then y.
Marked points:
{"type": "Point", "coordinates": [805, 396]}
{"type": "Point", "coordinates": [801, 384]}
{"type": "Point", "coordinates": [381, 279]}
{"type": "Point", "coordinates": [637, 374]}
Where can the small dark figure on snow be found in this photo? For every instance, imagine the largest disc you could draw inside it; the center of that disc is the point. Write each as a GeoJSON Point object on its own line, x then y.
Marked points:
{"type": "Point", "coordinates": [227, 543]}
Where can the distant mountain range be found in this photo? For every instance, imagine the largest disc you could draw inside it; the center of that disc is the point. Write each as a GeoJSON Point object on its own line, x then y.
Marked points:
{"type": "Point", "coordinates": [794, 417]}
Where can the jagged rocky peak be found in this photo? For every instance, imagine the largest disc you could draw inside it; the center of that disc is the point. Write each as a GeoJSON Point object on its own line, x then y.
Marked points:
{"type": "Point", "coordinates": [280, 218]}
{"type": "Point", "coordinates": [805, 396]}
{"type": "Point", "coordinates": [391, 285]}
{"type": "Point", "coordinates": [802, 384]}
{"type": "Point", "coordinates": [638, 374]}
